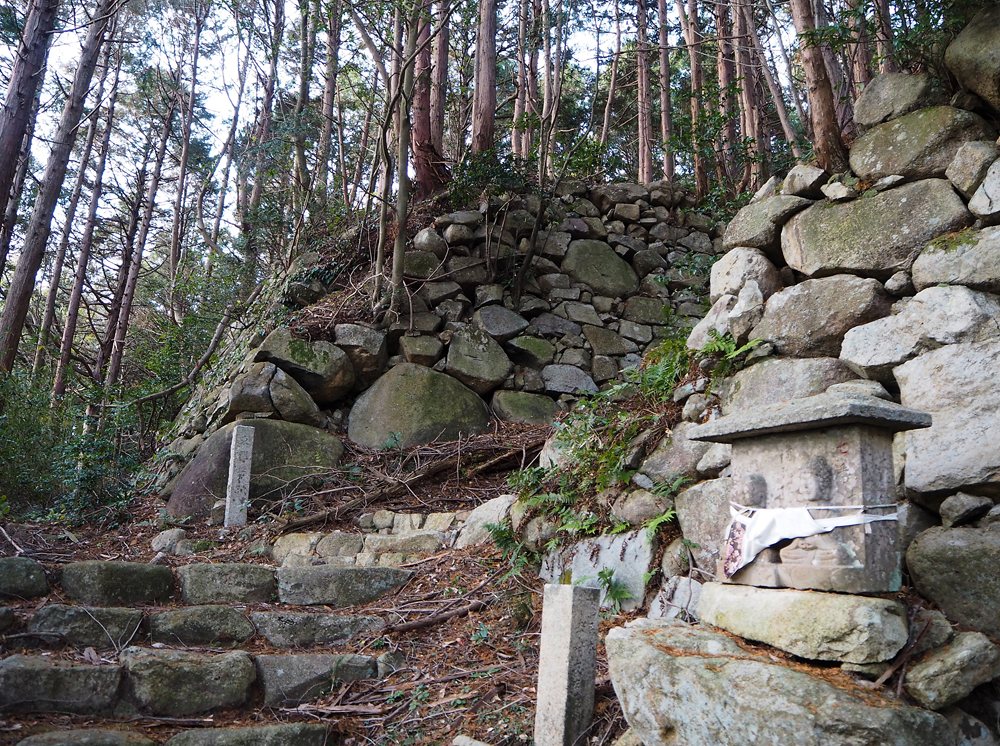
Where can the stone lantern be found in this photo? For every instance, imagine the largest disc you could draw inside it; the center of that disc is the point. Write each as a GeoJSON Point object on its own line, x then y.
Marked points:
{"type": "Point", "coordinates": [813, 495]}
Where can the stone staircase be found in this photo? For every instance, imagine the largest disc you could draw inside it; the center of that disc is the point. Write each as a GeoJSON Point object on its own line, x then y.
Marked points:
{"type": "Point", "coordinates": [127, 640]}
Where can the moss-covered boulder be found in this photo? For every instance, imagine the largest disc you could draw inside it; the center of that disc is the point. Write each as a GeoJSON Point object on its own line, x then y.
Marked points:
{"type": "Point", "coordinates": [81, 626]}
{"type": "Point", "coordinates": [285, 455]}
{"type": "Point", "coordinates": [87, 737]}
{"type": "Point", "coordinates": [22, 577]}
{"type": "Point", "coordinates": [758, 225]}
{"type": "Point", "coordinates": [321, 368]}
{"type": "Point", "coordinates": [475, 359]}
{"type": "Point", "coordinates": [30, 683]}
{"type": "Point", "coordinates": [596, 264]}
{"type": "Point", "coordinates": [920, 145]}
{"type": "Point", "coordinates": [200, 625]}
{"type": "Point", "coordinates": [892, 95]}
{"type": "Point", "coordinates": [297, 734]}
{"type": "Point", "coordinates": [411, 405]}
{"type": "Point", "coordinates": [874, 236]}
{"type": "Point", "coordinates": [528, 409]}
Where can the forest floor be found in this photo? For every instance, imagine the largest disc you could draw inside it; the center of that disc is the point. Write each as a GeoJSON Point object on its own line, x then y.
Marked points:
{"type": "Point", "coordinates": [473, 674]}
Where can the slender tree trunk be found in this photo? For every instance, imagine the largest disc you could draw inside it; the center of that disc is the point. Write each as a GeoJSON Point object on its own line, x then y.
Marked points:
{"type": "Point", "coordinates": [402, 155]}
{"type": "Point", "coordinates": [644, 96]}
{"type": "Point", "coordinates": [613, 82]}
{"type": "Point", "coordinates": [666, 116]}
{"type": "Point", "coordinates": [307, 36]}
{"type": "Point", "coordinates": [884, 39]}
{"type": "Point", "coordinates": [125, 315]}
{"type": "Point", "coordinates": [860, 52]}
{"type": "Point", "coordinates": [86, 245]}
{"type": "Point", "coordinates": [176, 235]}
{"type": "Point", "coordinates": [427, 162]}
{"type": "Point", "coordinates": [520, 101]}
{"type": "Point", "coordinates": [693, 40]}
{"type": "Point", "coordinates": [22, 284]}
{"type": "Point", "coordinates": [830, 150]}
{"type": "Point", "coordinates": [724, 66]}
{"type": "Point", "coordinates": [25, 77]}
{"type": "Point", "coordinates": [57, 265]}
{"type": "Point", "coordinates": [752, 169]}
{"type": "Point", "coordinates": [796, 98]}
{"type": "Point", "coordinates": [439, 77]}
{"type": "Point", "coordinates": [772, 85]}
{"type": "Point", "coordinates": [835, 72]}
{"type": "Point", "coordinates": [329, 93]}
{"type": "Point", "coordinates": [485, 100]}
{"type": "Point", "coordinates": [17, 189]}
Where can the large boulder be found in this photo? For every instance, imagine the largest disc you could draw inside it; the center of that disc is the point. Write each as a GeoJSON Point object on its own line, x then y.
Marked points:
{"type": "Point", "coordinates": [875, 236]}
{"type": "Point", "coordinates": [22, 577]}
{"type": "Point", "coordinates": [970, 258]}
{"type": "Point", "coordinates": [972, 56]}
{"type": "Point", "coordinates": [682, 684]}
{"type": "Point", "coordinates": [200, 625]}
{"type": "Point", "coordinates": [321, 368]}
{"type": "Point", "coordinates": [950, 674]}
{"type": "Point", "coordinates": [477, 360]}
{"type": "Point", "coordinates": [285, 455]}
{"type": "Point", "coordinates": [780, 379]}
{"type": "Point", "coordinates": [500, 323]}
{"type": "Point", "coordinates": [289, 629]}
{"type": "Point", "coordinates": [596, 264]}
{"type": "Point", "coordinates": [920, 145]}
{"type": "Point", "coordinates": [527, 409]}
{"type": "Point", "coordinates": [609, 195]}
{"type": "Point", "coordinates": [675, 455]}
{"type": "Point", "coordinates": [338, 587]}
{"type": "Point", "coordinates": [892, 95]}
{"type": "Point", "coordinates": [958, 385]}
{"type": "Point", "coordinates": [103, 583]}
{"type": "Point", "coordinates": [985, 203]}
{"type": "Point", "coordinates": [933, 318]}
{"type": "Point", "coordinates": [740, 265]}
{"type": "Point", "coordinates": [30, 683]}
{"type": "Point", "coordinates": [757, 225]}
{"type": "Point", "coordinates": [367, 349]}
{"type": "Point", "coordinates": [291, 679]}
{"type": "Point", "coordinates": [955, 569]}
{"type": "Point", "coordinates": [83, 626]}
{"type": "Point", "coordinates": [411, 405]}
{"type": "Point", "coordinates": [817, 626]}
{"type": "Point", "coordinates": [810, 319]}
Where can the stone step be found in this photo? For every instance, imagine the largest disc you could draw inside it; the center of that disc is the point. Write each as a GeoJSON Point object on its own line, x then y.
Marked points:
{"type": "Point", "coordinates": [112, 628]}
{"type": "Point", "coordinates": [299, 734]}
{"type": "Point", "coordinates": [171, 683]}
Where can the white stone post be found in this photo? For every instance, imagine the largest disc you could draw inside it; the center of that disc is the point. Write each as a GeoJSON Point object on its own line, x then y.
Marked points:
{"type": "Point", "coordinates": [567, 664]}
{"type": "Point", "coordinates": [238, 488]}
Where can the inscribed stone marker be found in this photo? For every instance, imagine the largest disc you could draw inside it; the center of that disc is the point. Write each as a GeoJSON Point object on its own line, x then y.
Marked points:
{"type": "Point", "coordinates": [567, 664]}
{"type": "Point", "coordinates": [238, 488]}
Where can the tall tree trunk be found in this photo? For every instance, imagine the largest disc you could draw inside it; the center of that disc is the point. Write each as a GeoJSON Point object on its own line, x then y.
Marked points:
{"type": "Point", "coordinates": [830, 150]}
{"type": "Point", "coordinates": [86, 244]}
{"type": "Point", "coordinates": [666, 116]}
{"type": "Point", "coordinates": [796, 99]}
{"type": "Point", "coordinates": [402, 155]}
{"type": "Point", "coordinates": [693, 41]}
{"type": "Point", "coordinates": [521, 93]}
{"type": "Point", "coordinates": [15, 309]}
{"type": "Point", "coordinates": [439, 77]}
{"type": "Point", "coordinates": [884, 38]}
{"type": "Point", "coordinates": [860, 52]}
{"type": "Point", "coordinates": [485, 85]}
{"type": "Point", "coordinates": [176, 236]}
{"type": "Point", "coordinates": [125, 314]}
{"type": "Point", "coordinates": [613, 82]}
{"type": "Point", "coordinates": [25, 76]}
{"type": "Point", "coordinates": [725, 73]}
{"type": "Point", "coordinates": [644, 96]}
{"type": "Point", "coordinates": [777, 96]}
{"type": "Point", "coordinates": [17, 189]}
{"type": "Point", "coordinates": [334, 14]}
{"type": "Point", "coordinates": [307, 37]}
{"type": "Point", "coordinates": [57, 265]}
{"type": "Point", "coordinates": [427, 162]}
{"type": "Point", "coordinates": [835, 72]}
{"type": "Point", "coordinates": [752, 169]}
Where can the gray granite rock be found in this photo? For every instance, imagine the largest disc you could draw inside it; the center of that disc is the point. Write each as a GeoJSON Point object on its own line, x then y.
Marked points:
{"type": "Point", "coordinates": [596, 264]}
{"type": "Point", "coordinates": [324, 370]}
{"type": "Point", "coordinates": [99, 583]}
{"type": "Point", "coordinates": [971, 56]}
{"type": "Point", "coordinates": [739, 265]}
{"type": "Point", "coordinates": [700, 687]}
{"type": "Point", "coordinates": [567, 379]}
{"type": "Point", "coordinates": [81, 626]}
{"type": "Point", "coordinates": [970, 166]}
{"type": "Point", "coordinates": [949, 674]}
{"type": "Point", "coordinates": [703, 515]}
{"type": "Point", "coordinates": [963, 509]}
{"type": "Point", "coordinates": [289, 680]}
{"type": "Point", "coordinates": [226, 583]}
{"type": "Point", "coordinates": [175, 683]}
{"type": "Point", "coordinates": [200, 625]}
{"type": "Point", "coordinates": [805, 181]}
{"type": "Point", "coordinates": [934, 317]}
{"type": "Point", "coordinates": [971, 258]}
{"type": "Point", "coordinates": [492, 511]}
{"type": "Point", "coordinates": [675, 455]}
{"type": "Point", "coordinates": [500, 323]}
{"type": "Point", "coordinates": [810, 319]}
{"type": "Point", "coordinates": [524, 408]}
{"type": "Point", "coordinates": [758, 225]}
{"type": "Point", "coordinates": [781, 379]}
{"type": "Point", "coordinates": [367, 349]}
{"type": "Point", "coordinates": [891, 95]}
{"type": "Point", "coordinates": [920, 145]}
{"type": "Point", "coordinates": [876, 236]}
{"type": "Point", "coordinates": [297, 734]}
{"type": "Point", "coordinates": [816, 626]}
{"type": "Point", "coordinates": [36, 684]}
{"type": "Point", "coordinates": [287, 629]}
{"type": "Point", "coordinates": [22, 577]}
{"type": "Point", "coordinates": [958, 385]}
{"type": "Point", "coordinates": [985, 203]}
{"type": "Point", "coordinates": [338, 587]}
{"type": "Point", "coordinates": [87, 737]}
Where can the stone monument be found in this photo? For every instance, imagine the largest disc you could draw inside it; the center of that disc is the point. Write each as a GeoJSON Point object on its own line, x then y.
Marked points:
{"type": "Point", "coordinates": [813, 495]}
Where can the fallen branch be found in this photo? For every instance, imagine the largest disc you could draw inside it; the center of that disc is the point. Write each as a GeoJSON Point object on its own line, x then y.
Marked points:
{"type": "Point", "coordinates": [401, 487]}
{"type": "Point", "coordinates": [436, 618]}
{"type": "Point", "coordinates": [902, 658]}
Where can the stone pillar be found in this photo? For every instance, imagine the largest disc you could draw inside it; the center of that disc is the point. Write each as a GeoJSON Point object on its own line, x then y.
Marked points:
{"type": "Point", "coordinates": [567, 664]}
{"type": "Point", "coordinates": [238, 488]}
